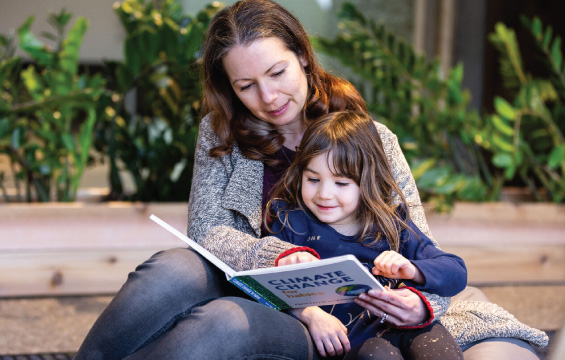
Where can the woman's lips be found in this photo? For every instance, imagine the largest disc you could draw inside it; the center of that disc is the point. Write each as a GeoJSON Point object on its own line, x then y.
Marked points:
{"type": "Point", "coordinates": [280, 110]}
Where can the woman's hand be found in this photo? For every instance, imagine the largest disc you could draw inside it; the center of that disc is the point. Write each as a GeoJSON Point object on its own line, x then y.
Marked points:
{"type": "Point", "coordinates": [392, 265]}
{"type": "Point", "coordinates": [297, 258]}
{"type": "Point", "coordinates": [328, 333]}
{"type": "Point", "coordinates": [402, 306]}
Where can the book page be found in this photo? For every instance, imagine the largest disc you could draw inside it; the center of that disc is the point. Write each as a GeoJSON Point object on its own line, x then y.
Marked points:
{"type": "Point", "coordinates": [208, 255]}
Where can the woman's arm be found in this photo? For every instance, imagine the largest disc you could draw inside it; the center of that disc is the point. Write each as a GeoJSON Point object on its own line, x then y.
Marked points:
{"type": "Point", "coordinates": [224, 210]}
{"type": "Point", "coordinates": [406, 182]}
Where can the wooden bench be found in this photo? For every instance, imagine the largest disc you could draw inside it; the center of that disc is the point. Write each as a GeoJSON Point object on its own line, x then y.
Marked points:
{"type": "Point", "coordinates": [89, 248]}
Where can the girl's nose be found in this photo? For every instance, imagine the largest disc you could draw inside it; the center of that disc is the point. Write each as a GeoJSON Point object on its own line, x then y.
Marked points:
{"type": "Point", "coordinates": [324, 191]}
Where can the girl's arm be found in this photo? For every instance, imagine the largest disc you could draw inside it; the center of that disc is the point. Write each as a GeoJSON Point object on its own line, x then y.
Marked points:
{"type": "Point", "coordinates": [328, 333]}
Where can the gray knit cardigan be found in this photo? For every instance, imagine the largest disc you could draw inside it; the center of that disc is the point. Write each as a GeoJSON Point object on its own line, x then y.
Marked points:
{"type": "Point", "coordinates": [225, 218]}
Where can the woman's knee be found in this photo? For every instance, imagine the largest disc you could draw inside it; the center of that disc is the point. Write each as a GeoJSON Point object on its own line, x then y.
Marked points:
{"type": "Point", "coordinates": [175, 271]}
{"type": "Point", "coordinates": [250, 328]}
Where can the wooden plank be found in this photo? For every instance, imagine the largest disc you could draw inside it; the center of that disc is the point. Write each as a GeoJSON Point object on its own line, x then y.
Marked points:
{"type": "Point", "coordinates": [506, 265]}
{"type": "Point", "coordinates": [67, 273]}
{"type": "Point", "coordinates": [104, 271]}
{"type": "Point", "coordinates": [84, 226]}
{"type": "Point", "coordinates": [496, 212]}
{"type": "Point", "coordinates": [70, 249]}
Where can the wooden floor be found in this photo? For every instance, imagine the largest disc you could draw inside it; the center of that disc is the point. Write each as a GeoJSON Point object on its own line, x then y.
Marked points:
{"type": "Point", "coordinates": [59, 324]}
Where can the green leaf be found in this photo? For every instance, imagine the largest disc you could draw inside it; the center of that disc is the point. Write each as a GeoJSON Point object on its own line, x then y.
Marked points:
{"type": "Point", "coordinates": [32, 45]}
{"type": "Point", "coordinates": [472, 190]}
{"type": "Point", "coordinates": [510, 172]}
{"type": "Point", "coordinates": [435, 177]}
{"type": "Point", "coordinates": [502, 160]}
{"type": "Point", "coordinates": [502, 125]}
{"type": "Point", "coordinates": [504, 109]}
{"type": "Point", "coordinates": [536, 27]}
{"type": "Point", "coordinates": [4, 127]}
{"type": "Point", "coordinates": [419, 169]}
{"type": "Point", "coordinates": [451, 185]}
{"type": "Point", "coordinates": [556, 54]}
{"type": "Point", "coordinates": [547, 37]}
{"type": "Point", "coordinates": [33, 83]}
{"type": "Point", "coordinates": [68, 142]}
{"type": "Point", "coordinates": [17, 138]}
{"type": "Point", "coordinates": [556, 157]}
{"type": "Point", "coordinates": [71, 46]}
{"type": "Point", "coordinates": [502, 143]}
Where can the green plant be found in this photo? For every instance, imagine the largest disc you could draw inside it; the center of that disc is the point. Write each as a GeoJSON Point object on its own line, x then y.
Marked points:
{"type": "Point", "coordinates": [426, 109]}
{"type": "Point", "coordinates": [151, 130]}
{"type": "Point", "coordinates": [526, 134]}
{"type": "Point", "coordinates": [48, 111]}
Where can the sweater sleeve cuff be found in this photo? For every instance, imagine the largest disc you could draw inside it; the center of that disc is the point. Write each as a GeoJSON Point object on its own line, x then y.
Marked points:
{"type": "Point", "coordinates": [296, 249]}
{"type": "Point", "coordinates": [428, 306]}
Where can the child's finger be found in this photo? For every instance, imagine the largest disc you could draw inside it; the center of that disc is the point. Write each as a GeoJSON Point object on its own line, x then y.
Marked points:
{"type": "Point", "coordinates": [320, 347]}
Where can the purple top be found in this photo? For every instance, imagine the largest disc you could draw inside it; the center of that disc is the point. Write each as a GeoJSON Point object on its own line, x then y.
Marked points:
{"type": "Point", "coordinates": [272, 175]}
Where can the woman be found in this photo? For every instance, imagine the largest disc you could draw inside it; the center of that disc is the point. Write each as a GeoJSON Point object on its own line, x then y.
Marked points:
{"type": "Point", "coordinates": [262, 88]}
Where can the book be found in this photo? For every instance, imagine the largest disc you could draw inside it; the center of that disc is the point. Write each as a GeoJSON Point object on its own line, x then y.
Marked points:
{"type": "Point", "coordinates": [330, 281]}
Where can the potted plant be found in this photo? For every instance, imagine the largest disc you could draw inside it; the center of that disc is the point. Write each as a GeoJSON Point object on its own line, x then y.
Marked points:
{"type": "Point", "coordinates": [526, 133]}
{"type": "Point", "coordinates": [151, 134]}
{"type": "Point", "coordinates": [47, 112]}
{"type": "Point", "coordinates": [462, 160]}
{"type": "Point", "coordinates": [51, 115]}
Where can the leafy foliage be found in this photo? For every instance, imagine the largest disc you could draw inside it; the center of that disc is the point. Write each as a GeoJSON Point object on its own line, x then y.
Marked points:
{"type": "Point", "coordinates": [48, 111]}
{"type": "Point", "coordinates": [426, 109]}
{"type": "Point", "coordinates": [151, 128]}
{"type": "Point", "coordinates": [526, 134]}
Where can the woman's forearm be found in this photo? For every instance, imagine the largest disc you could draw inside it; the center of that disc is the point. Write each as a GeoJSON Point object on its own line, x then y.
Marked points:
{"type": "Point", "coordinates": [232, 235]}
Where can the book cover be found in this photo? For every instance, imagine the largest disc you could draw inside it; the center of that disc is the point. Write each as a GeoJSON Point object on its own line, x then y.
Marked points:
{"type": "Point", "coordinates": [330, 281]}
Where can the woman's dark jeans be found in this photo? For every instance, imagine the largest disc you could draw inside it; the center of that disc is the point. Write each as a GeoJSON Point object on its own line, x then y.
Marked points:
{"type": "Point", "coordinates": [176, 305]}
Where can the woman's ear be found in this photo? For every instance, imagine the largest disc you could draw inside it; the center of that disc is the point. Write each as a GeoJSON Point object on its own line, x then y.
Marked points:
{"type": "Point", "coordinates": [303, 60]}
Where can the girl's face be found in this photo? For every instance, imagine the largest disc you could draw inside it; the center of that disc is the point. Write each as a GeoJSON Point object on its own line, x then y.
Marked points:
{"type": "Point", "coordinates": [269, 80]}
{"type": "Point", "coordinates": [333, 199]}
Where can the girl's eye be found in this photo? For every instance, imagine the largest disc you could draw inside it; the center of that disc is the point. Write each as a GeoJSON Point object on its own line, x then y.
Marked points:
{"type": "Point", "coordinates": [313, 180]}
{"type": "Point", "coordinates": [341, 184]}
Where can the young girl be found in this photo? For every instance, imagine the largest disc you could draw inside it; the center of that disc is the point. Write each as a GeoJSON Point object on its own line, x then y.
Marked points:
{"type": "Point", "coordinates": [339, 197]}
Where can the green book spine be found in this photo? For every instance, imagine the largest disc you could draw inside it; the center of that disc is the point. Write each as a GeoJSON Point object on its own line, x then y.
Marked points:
{"type": "Point", "coordinates": [259, 292]}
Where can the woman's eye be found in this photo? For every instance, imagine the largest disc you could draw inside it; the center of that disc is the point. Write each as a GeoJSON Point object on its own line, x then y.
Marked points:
{"type": "Point", "coordinates": [245, 87]}
{"type": "Point", "coordinates": [279, 73]}
{"type": "Point", "coordinates": [313, 180]}
{"type": "Point", "coordinates": [340, 183]}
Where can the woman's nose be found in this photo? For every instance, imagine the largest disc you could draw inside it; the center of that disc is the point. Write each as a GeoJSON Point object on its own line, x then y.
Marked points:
{"type": "Point", "coordinates": [268, 94]}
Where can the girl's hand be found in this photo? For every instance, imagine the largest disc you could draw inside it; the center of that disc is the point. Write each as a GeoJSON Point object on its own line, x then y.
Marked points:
{"type": "Point", "coordinates": [392, 265]}
{"type": "Point", "coordinates": [402, 306]}
{"type": "Point", "coordinates": [296, 258]}
{"type": "Point", "coordinates": [328, 333]}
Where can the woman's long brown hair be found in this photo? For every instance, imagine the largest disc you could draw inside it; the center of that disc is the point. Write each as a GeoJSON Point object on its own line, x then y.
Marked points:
{"type": "Point", "coordinates": [357, 153]}
{"type": "Point", "coordinates": [241, 24]}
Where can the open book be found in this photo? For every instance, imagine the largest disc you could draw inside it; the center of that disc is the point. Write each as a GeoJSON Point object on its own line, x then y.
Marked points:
{"type": "Point", "coordinates": [330, 281]}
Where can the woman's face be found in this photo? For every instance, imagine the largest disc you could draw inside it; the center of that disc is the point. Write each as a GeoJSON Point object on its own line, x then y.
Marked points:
{"type": "Point", "coordinates": [269, 80]}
